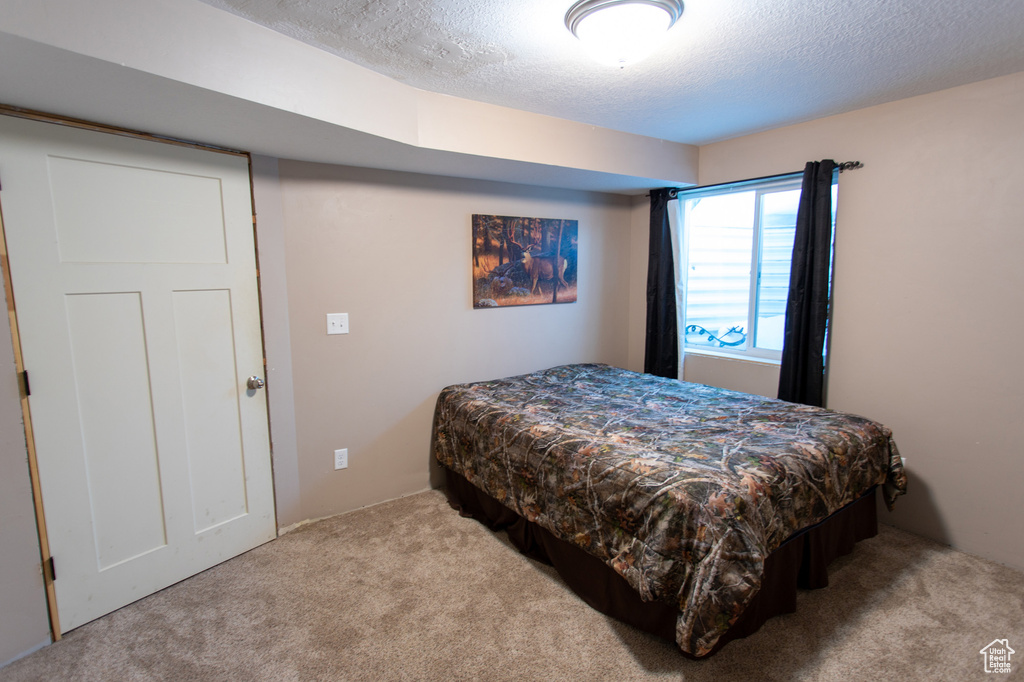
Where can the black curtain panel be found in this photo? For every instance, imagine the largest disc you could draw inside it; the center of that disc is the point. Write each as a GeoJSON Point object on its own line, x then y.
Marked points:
{"type": "Point", "coordinates": [802, 374]}
{"type": "Point", "coordinates": [661, 356]}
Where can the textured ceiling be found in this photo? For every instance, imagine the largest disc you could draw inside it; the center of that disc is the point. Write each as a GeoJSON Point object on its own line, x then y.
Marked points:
{"type": "Point", "coordinates": [730, 67]}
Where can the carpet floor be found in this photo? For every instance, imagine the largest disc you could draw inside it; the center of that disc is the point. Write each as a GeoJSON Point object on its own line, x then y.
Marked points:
{"type": "Point", "coordinates": [409, 590]}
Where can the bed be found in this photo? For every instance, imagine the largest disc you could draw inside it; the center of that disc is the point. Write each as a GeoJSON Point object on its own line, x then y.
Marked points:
{"type": "Point", "coordinates": [689, 511]}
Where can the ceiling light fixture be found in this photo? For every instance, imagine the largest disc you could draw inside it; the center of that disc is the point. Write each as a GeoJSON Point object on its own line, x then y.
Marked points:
{"type": "Point", "coordinates": [621, 32]}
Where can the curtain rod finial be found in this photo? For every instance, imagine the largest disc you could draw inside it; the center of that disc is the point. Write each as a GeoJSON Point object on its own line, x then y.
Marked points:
{"type": "Point", "coordinates": [849, 165]}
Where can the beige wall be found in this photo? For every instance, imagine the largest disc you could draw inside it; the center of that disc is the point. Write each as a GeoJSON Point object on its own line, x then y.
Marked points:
{"type": "Point", "coordinates": [929, 294]}
{"type": "Point", "coordinates": [24, 624]}
{"type": "Point", "coordinates": [266, 189]}
{"type": "Point", "coordinates": [640, 226]}
{"type": "Point", "coordinates": [393, 251]}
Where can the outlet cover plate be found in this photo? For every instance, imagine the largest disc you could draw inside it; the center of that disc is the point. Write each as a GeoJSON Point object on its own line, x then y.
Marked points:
{"type": "Point", "coordinates": [341, 459]}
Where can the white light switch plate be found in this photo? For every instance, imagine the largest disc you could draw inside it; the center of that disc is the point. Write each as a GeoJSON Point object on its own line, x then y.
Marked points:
{"type": "Point", "coordinates": [337, 323]}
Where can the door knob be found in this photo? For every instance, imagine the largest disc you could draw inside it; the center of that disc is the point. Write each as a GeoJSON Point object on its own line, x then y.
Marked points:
{"type": "Point", "coordinates": [255, 382]}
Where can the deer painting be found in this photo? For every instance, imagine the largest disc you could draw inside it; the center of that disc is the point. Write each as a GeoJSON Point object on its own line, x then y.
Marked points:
{"type": "Point", "coordinates": [515, 257]}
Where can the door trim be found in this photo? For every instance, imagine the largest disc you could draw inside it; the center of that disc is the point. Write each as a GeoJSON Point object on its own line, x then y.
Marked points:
{"type": "Point", "coordinates": [33, 115]}
{"type": "Point", "coordinates": [26, 416]}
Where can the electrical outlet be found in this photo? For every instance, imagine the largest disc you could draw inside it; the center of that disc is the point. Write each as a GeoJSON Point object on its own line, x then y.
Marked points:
{"type": "Point", "coordinates": [341, 459]}
{"type": "Point", "coordinates": [337, 323]}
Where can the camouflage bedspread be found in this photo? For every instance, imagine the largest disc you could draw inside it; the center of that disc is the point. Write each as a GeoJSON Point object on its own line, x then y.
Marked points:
{"type": "Point", "coordinates": [683, 489]}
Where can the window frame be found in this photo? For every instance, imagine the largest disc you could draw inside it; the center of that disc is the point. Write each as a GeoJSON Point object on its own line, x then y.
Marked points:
{"type": "Point", "coordinates": [760, 186]}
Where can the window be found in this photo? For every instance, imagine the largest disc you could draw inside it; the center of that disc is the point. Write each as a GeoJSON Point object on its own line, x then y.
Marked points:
{"type": "Point", "coordinates": [735, 250]}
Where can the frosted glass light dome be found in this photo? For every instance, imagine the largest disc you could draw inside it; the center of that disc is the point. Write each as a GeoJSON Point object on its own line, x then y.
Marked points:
{"type": "Point", "coordinates": [620, 32]}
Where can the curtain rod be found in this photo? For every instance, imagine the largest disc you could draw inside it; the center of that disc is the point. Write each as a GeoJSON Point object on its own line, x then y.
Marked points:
{"type": "Point", "coordinates": [844, 166]}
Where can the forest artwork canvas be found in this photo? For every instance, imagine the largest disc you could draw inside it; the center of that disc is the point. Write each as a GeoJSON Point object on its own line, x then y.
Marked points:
{"type": "Point", "coordinates": [523, 261]}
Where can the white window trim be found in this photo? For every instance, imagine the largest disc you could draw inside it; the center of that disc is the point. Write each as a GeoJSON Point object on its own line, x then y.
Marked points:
{"type": "Point", "coordinates": [737, 356]}
{"type": "Point", "coordinates": [681, 252]}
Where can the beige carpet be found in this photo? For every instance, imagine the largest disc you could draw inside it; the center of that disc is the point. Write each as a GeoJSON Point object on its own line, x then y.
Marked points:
{"type": "Point", "coordinates": [408, 590]}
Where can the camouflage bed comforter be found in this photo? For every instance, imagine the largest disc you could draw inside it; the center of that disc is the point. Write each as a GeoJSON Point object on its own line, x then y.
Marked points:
{"type": "Point", "coordinates": [682, 489]}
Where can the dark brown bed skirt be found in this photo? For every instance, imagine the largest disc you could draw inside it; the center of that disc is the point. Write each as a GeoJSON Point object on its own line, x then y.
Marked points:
{"type": "Point", "coordinates": [800, 562]}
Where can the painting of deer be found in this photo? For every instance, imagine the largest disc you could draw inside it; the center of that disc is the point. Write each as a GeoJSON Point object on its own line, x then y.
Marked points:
{"type": "Point", "coordinates": [523, 261]}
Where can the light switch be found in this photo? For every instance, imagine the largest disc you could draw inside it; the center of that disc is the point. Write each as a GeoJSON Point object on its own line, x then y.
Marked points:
{"type": "Point", "coordinates": [337, 323]}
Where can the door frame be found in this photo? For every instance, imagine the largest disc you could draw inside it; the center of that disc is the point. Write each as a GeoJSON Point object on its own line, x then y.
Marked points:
{"type": "Point", "coordinates": [23, 383]}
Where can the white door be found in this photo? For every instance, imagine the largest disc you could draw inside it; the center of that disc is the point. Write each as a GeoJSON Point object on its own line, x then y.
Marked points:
{"type": "Point", "coordinates": [134, 277]}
